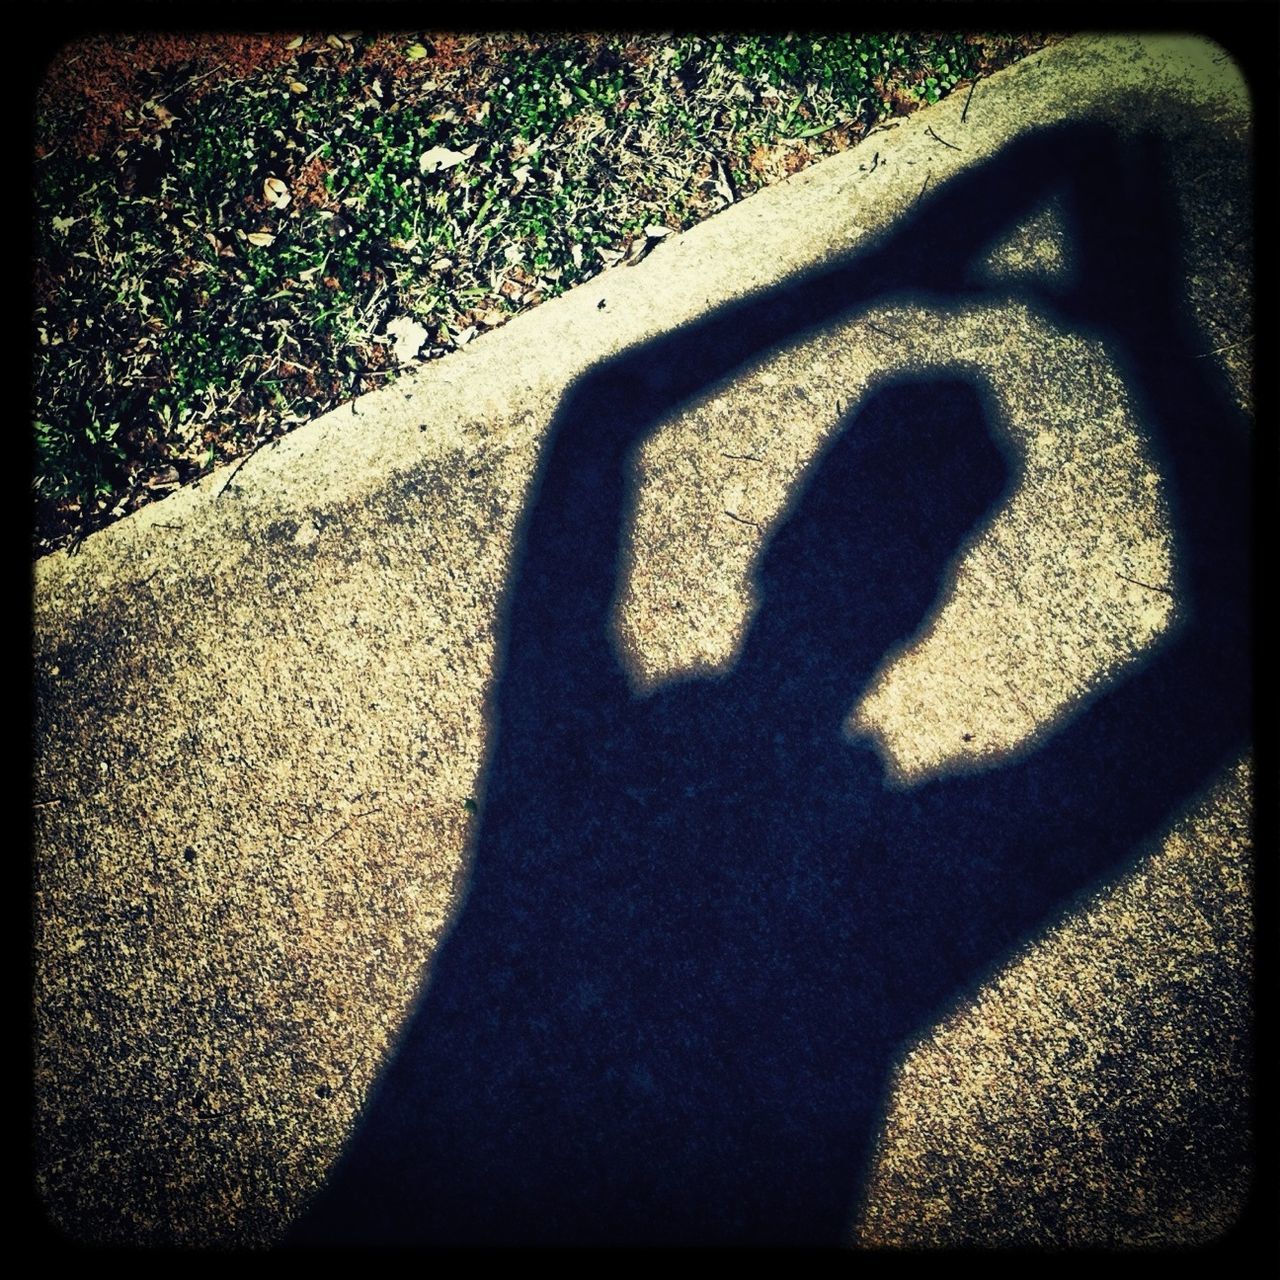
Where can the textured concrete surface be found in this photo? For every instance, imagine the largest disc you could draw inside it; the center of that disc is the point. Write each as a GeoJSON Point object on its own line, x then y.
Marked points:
{"type": "Point", "coordinates": [263, 705]}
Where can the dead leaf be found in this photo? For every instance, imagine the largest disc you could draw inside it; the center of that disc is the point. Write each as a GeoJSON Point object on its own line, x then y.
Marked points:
{"type": "Point", "coordinates": [296, 86]}
{"type": "Point", "coordinates": [221, 249]}
{"type": "Point", "coordinates": [295, 43]}
{"type": "Point", "coordinates": [334, 42]}
{"type": "Point", "coordinates": [260, 238]}
{"type": "Point", "coordinates": [164, 115]}
{"type": "Point", "coordinates": [657, 233]}
{"type": "Point", "coordinates": [438, 158]}
{"type": "Point", "coordinates": [461, 339]}
{"type": "Point", "coordinates": [275, 192]}
{"type": "Point", "coordinates": [491, 319]}
{"type": "Point", "coordinates": [720, 178]}
{"type": "Point", "coordinates": [408, 336]}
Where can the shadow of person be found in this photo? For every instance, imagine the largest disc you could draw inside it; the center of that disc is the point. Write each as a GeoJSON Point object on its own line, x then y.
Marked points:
{"type": "Point", "coordinates": [700, 924]}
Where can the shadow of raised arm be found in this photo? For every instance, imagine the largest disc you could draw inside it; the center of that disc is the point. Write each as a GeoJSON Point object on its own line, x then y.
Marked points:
{"type": "Point", "coordinates": [1071, 810]}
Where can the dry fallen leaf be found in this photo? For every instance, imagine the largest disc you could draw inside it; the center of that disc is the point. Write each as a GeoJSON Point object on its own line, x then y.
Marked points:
{"type": "Point", "coordinates": [296, 86]}
{"type": "Point", "coordinates": [408, 336]}
{"type": "Point", "coordinates": [260, 238]}
{"type": "Point", "coordinates": [295, 43]}
{"type": "Point", "coordinates": [720, 177]}
{"type": "Point", "coordinates": [275, 192]}
{"type": "Point", "coordinates": [221, 249]}
{"type": "Point", "coordinates": [439, 158]}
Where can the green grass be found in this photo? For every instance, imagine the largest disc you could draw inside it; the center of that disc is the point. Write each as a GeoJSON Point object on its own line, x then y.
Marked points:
{"type": "Point", "coordinates": [169, 341]}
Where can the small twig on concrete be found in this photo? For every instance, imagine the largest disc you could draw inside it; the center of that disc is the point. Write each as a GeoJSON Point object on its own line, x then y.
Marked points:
{"type": "Point", "coordinates": [44, 804]}
{"type": "Point", "coordinates": [1026, 711]}
{"type": "Point", "coordinates": [741, 519]}
{"type": "Point", "coordinates": [879, 328]}
{"type": "Point", "coordinates": [345, 825]}
{"type": "Point", "coordinates": [968, 100]}
{"type": "Point", "coordinates": [235, 471]}
{"type": "Point", "coordinates": [944, 142]}
{"type": "Point", "coordinates": [1217, 351]}
{"type": "Point", "coordinates": [741, 457]}
{"type": "Point", "coordinates": [226, 1111]}
{"type": "Point", "coordinates": [1148, 585]}
{"type": "Point", "coordinates": [923, 189]}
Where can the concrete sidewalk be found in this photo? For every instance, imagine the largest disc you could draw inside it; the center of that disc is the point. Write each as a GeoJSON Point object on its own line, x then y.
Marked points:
{"type": "Point", "coordinates": [263, 707]}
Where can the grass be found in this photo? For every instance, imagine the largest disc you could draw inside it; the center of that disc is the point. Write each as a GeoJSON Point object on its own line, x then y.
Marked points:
{"type": "Point", "coordinates": [235, 254]}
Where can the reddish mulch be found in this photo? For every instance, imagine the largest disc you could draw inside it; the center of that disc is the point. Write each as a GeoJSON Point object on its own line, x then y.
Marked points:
{"type": "Point", "coordinates": [104, 80]}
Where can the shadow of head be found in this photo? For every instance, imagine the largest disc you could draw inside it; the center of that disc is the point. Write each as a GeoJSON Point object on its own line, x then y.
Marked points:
{"type": "Point", "coordinates": [863, 555]}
